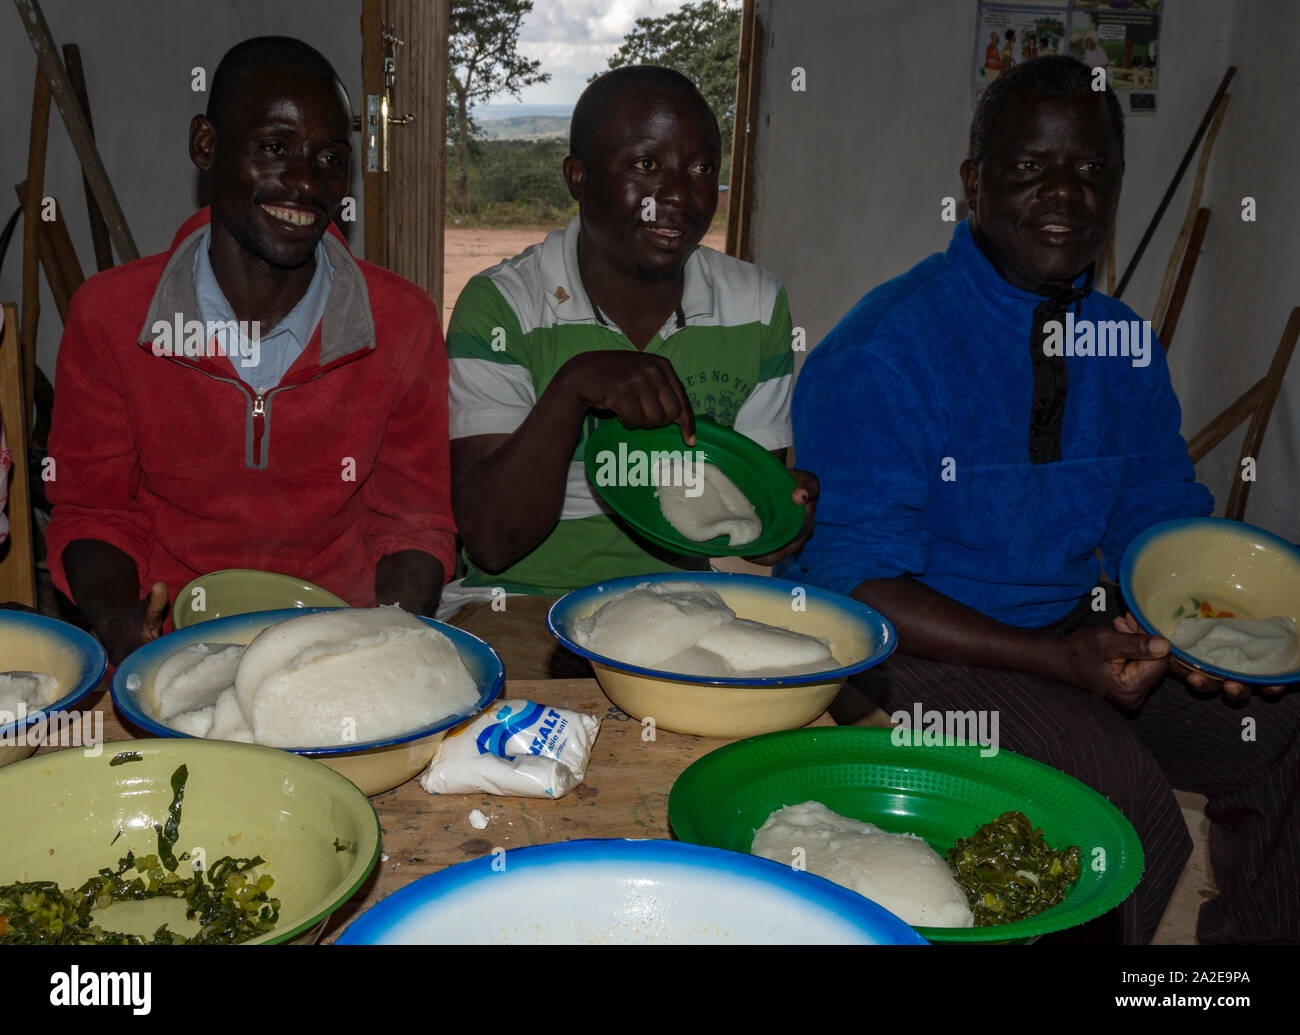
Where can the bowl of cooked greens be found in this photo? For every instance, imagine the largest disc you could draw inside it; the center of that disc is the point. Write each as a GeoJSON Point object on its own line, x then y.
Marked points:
{"type": "Point", "coordinates": [1029, 849]}
{"type": "Point", "coordinates": [178, 842]}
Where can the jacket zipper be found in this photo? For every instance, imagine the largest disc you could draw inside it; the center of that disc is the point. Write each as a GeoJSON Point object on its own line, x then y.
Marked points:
{"type": "Point", "coordinates": [259, 426]}
{"type": "Point", "coordinates": [258, 399]}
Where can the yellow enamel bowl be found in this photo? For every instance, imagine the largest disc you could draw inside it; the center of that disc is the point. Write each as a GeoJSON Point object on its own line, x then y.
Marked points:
{"type": "Point", "coordinates": [241, 591]}
{"type": "Point", "coordinates": [735, 707]}
{"type": "Point", "coordinates": [1233, 566]}
{"type": "Point", "coordinates": [35, 643]}
{"type": "Point", "coordinates": [318, 834]}
{"type": "Point", "coordinates": [375, 766]}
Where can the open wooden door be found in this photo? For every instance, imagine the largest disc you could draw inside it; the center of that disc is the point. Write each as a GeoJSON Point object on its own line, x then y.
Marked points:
{"type": "Point", "coordinates": [402, 112]}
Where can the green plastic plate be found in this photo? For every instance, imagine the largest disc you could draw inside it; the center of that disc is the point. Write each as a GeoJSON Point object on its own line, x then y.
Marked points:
{"type": "Point", "coordinates": [766, 483]}
{"type": "Point", "coordinates": [941, 792]}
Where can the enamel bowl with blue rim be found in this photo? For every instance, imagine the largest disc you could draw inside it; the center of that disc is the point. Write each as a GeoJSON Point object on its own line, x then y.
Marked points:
{"type": "Point", "coordinates": [35, 643]}
{"type": "Point", "coordinates": [374, 766]}
{"type": "Point", "coordinates": [733, 707]}
{"type": "Point", "coordinates": [593, 892]}
{"type": "Point", "coordinates": [1212, 567]}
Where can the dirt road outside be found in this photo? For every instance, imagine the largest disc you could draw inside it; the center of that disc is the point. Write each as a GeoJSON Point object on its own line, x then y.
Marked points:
{"type": "Point", "coordinates": [468, 252]}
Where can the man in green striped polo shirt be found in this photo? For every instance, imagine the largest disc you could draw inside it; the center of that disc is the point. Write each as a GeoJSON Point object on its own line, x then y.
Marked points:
{"type": "Point", "coordinates": [621, 312]}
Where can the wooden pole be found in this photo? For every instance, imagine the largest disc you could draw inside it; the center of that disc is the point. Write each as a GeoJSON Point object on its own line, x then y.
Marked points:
{"type": "Point", "coordinates": [18, 565]}
{"type": "Point", "coordinates": [1184, 278]}
{"type": "Point", "coordinates": [78, 132]}
{"type": "Point", "coordinates": [36, 146]}
{"type": "Point", "coordinates": [740, 129]}
{"type": "Point", "coordinates": [59, 258]}
{"type": "Point", "coordinates": [1236, 508]}
{"type": "Point", "coordinates": [1224, 424]}
{"type": "Point", "coordinates": [1173, 185]}
{"type": "Point", "coordinates": [1193, 204]}
{"type": "Point", "coordinates": [98, 228]}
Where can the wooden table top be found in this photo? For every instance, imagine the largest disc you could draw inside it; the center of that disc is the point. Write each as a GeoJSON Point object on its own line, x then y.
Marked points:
{"type": "Point", "coordinates": [625, 794]}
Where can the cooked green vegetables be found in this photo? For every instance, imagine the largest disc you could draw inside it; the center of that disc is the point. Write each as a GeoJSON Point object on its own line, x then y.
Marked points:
{"type": "Point", "coordinates": [230, 903]}
{"type": "Point", "coordinates": [1009, 872]}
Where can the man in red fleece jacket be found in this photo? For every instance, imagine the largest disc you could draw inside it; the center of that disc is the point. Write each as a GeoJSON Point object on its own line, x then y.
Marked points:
{"type": "Point", "coordinates": [318, 449]}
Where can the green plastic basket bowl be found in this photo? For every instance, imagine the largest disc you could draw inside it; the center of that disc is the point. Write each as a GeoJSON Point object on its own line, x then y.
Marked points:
{"type": "Point", "coordinates": [941, 792]}
{"type": "Point", "coordinates": [766, 483]}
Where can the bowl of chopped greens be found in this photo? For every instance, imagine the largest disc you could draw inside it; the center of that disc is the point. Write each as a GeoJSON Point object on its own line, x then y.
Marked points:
{"type": "Point", "coordinates": [178, 842]}
{"type": "Point", "coordinates": [1033, 850]}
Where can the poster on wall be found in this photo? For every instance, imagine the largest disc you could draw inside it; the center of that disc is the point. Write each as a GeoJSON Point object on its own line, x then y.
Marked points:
{"type": "Point", "coordinates": [1121, 36]}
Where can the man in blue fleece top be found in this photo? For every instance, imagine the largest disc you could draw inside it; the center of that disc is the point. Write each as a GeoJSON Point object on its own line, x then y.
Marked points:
{"type": "Point", "coordinates": [982, 426]}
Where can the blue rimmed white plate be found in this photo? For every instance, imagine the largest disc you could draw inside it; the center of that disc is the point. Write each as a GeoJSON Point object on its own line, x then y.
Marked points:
{"type": "Point", "coordinates": [625, 892]}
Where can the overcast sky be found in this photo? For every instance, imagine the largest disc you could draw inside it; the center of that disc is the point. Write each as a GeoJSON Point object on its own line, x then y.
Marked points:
{"type": "Point", "coordinates": [575, 38]}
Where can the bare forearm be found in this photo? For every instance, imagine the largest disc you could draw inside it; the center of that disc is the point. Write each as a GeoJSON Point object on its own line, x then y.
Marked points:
{"type": "Point", "coordinates": [936, 627]}
{"type": "Point", "coordinates": [104, 580]}
{"type": "Point", "coordinates": [509, 500]}
{"type": "Point", "coordinates": [412, 579]}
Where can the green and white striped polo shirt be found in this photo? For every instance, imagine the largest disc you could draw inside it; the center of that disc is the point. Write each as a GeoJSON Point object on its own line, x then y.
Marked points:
{"type": "Point", "coordinates": [517, 323]}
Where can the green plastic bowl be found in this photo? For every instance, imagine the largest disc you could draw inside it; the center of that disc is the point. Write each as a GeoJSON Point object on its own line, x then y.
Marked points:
{"type": "Point", "coordinates": [317, 832]}
{"type": "Point", "coordinates": [243, 591]}
{"type": "Point", "coordinates": [764, 480]}
{"type": "Point", "coordinates": [941, 792]}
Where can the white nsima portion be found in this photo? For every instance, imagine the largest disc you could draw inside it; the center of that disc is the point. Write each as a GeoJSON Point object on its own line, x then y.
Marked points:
{"type": "Point", "coordinates": [720, 509]}
{"type": "Point", "coordinates": [228, 722]}
{"type": "Point", "coordinates": [349, 676]}
{"type": "Point", "coordinates": [1258, 648]}
{"type": "Point", "coordinates": [193, 678]}
{"type": "Point", "coordinates": [898, 871]}
{"type": "Point", "coordinates": [27, 693]}
{"type": "Point", "coordinates": [687, 629]}
{"type": "Point", "coordinates": [752, 646]}
{"type": "Point", "coordinates": [195, 723]}
{"type": "Point", "coordinates": [649, 624]}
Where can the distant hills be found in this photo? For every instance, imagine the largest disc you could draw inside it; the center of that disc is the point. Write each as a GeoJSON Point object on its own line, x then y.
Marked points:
{"type": "Point", "coordinates": [526, 127]}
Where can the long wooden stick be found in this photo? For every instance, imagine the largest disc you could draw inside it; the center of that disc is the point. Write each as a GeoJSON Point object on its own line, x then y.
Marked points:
{"type": "Point", "coordinates": [1193, 205]}
{"type": "Point", "coordinates": [31, 315]}
{"type": "Point", "coordinates": [1173, 186]}
{"type": "Point", "coordinates": [17, 567]}
{"type": "Point", "coordinates": [1236, 509]}
{"type": "Point", "coordinates": [740, 129]}
{"type": "Point", "coordinates": [1184, 278]}
{"type": "Point", "coordinates": [92, 165]}
{"type": "Point", "coordinates": [59, 258]}
{"type": "Point", "coordinates": [1225, 423]}
{"type": "Point", "coordinates": [98, 228]}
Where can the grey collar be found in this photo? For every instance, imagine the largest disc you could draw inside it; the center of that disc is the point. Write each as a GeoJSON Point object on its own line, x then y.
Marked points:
{"type": "Point", "coordinates": [347, 325]}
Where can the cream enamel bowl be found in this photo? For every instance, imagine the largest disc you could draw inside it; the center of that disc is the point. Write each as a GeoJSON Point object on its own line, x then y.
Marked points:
{"type": "Point", "coordinates": [35, 643]}
{"type": "Point", "coordinates": [735, 707]}
{"type": "Point", "coordinates": [375, 766]}
{"type": "Point", "coordinates": [1234, 566]}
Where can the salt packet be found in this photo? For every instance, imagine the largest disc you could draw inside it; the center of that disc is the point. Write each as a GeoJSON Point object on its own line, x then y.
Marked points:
{"type": "Point", "coordinates": [517, 748]}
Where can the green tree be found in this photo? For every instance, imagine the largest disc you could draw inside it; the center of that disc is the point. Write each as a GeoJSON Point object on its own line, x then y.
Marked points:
{"type": "Point", "coordinates": [702, 41]}
{"type": "Point", "coordinates": [484, 59]}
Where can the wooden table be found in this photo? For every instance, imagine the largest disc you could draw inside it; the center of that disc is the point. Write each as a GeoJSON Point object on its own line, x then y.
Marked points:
{"type": "Point", "coordinates": [625, 794]}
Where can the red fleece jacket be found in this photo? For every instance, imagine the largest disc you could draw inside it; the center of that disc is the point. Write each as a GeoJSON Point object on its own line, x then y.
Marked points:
{"type": "Point", "coordinates": [172, 459]}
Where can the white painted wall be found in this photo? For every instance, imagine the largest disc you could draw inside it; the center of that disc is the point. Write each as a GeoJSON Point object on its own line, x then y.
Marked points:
{"type": "Point", "coordinates": [137, 56]}
{"type": "Point", "coordinates": [851, 173]}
